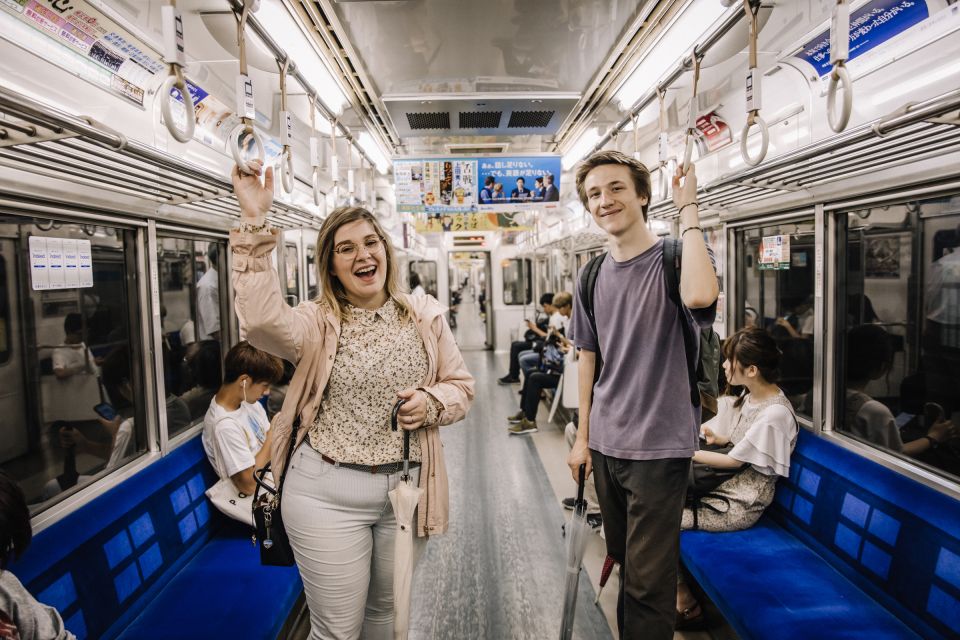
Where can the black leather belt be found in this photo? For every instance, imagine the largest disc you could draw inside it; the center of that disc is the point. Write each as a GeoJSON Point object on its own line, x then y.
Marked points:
{"type": "Point", "coordinates": [388, 468]}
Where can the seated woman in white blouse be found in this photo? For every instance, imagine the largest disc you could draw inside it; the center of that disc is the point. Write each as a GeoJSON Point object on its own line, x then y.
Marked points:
{"type": "Point", "coordinates": [763, 429]}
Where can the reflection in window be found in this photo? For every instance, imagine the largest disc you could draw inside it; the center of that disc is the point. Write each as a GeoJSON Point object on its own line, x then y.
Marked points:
{"type": "Point", "coordinates": [775, 268]}
{"type": "Point", "coordinates": [426, 275]}
{"type": "Point", "coordinates": [313, 287]}
{"type": "Point", "coordinates": [70, 373]}
{"type": "Point", "coordinates": [292, 280]}
{"type": "Point", "coordinates": [190, 273]}
{"type": "Point", "coordinates": [902, 331]}
{"type": "Point", "coordinates": [517, 281]}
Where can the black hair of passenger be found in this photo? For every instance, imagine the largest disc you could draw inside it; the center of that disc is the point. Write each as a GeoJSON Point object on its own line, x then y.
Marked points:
{"type": "Point", "coordinates": [869, 353]}
{"type": "Point", "coordinates": [546, 298]}
{"type": "Point", "coordinates": [244, 358]}
{"type": "Point", "coordinates": [205, 365]}
{"type": "Point", "coordinates": [73, 323]}
{"type": "Point", "coordinates": [752, 346]}
{"type": "Point", "coordinates": [213, 255]}
{"type": "Point", "coordinates": [15, 531]}
{"type": "Point", "coordinates": [414, 280]}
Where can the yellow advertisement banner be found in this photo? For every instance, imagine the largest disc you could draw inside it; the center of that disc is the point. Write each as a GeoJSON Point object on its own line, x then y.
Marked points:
{"type": "Point", "coordinates": [439, 223]}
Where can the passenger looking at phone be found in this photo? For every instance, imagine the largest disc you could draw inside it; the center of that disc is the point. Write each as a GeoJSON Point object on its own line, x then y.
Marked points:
{"type": "Point", "coordinates": [532, 360]}
{"type": "Point", "coordinates": [532, 338]}
{"type": "Point", "coordinates": [236, 431]}
{"type": "Point", "coordinates": [639, 423]}
{"type": "Point", "coordinates": [870, 357]}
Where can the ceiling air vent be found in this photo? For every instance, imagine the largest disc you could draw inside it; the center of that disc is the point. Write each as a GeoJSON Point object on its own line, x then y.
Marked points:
{"type": "Point", "coordinates": [480, 119]}
{"type": "Point", "coordinates": [529, 119]}
{"type": "Point", "coordinates": [429, 120]}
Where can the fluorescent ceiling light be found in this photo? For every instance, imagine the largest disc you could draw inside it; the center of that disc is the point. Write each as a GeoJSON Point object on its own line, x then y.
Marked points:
{"type": "Point", "coordinates": [372, 149]}
{"type": "Point", "coordinates": [674, 43]}
{"type": "Point", "coordinates": [583, 146]}
{"type": "Point", "coordinates": [286, 32]}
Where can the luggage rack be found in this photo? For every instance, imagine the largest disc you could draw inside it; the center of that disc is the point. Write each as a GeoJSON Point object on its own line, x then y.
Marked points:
{"type": "Point", "coordinates": [43, 140]}
{"type": "Point", "coordinates": [917, 132]}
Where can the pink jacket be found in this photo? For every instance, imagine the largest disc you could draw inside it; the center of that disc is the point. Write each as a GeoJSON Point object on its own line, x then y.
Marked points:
{"type": "Point", "coordinates": [308, 336]}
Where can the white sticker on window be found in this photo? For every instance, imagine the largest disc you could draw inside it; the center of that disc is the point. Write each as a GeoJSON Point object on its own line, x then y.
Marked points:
{"type": "Point", "coordinates": [85, 260]}
{"type": "Point", "coordinates": [38, 263]}
{"type": "Point", "coordinates": [60, 263]}
{"type": "Point", "coordinates": [71, 264]}
{"type": "Point", "coordinates": [55, 263]}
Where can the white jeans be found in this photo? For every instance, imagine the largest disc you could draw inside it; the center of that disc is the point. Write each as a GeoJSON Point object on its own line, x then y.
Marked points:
{"type": "Point", "coordinates": [342, 529]}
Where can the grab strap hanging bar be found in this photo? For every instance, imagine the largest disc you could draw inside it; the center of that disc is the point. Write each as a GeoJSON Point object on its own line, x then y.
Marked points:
{"type": "Point", "coordinates": [175, 58]}
{"type": "Point", "coordinates": [245, 106]}
{"type": "Point", "coordinates": [839, 53]}
{"type": "Point", "coordinates": [663, 141]}
{"type": "Point", "coordinates": [363, 180]}
{"type": "Point", "coordinates": [314, 151]}
{"type": "Point", "coordinates": [286, 131]}
{"type": "Point", "coordinates": [335, 161]}
{"type": "Point", "coordinates": [754, 102]}
{"type": "Point", "coordinates": [692, 116]}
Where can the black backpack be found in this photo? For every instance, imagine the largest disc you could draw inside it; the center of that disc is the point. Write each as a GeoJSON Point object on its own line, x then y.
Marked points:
{"type": "Point", "coordinates": [703, 373]}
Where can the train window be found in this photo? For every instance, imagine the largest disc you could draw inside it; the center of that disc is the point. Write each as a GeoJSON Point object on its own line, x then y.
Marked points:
{"type": "Point", "coordinates": [191, 276]}
{"type": "Point", "coordinates": [902, 331]}
{"type": "Point", "coordinates": [426, 271]}
{"type": "Point", "coordinates": [313, 287]}
{"type": "Point", "coordinates": [517, 281]}
{"type": "Point", "coordinates": [775, 271]}
{"type": "Point", "coordinates": [72, 380]}
{"type": "Point", "coordinates": [291, 260]}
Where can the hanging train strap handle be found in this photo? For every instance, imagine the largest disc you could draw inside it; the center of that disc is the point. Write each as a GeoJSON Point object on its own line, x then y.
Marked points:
{"type": "Point", "coordinates": [314, 151]}
{"type": "Point", "coordinates": [754, 102]}
{"type": "Point", "coordinates": [663, 142]}
{"type": "Point", "coordinates": [245, 106]}
{"type": "Point", "coordinates": [176, 62]}
{"type": "Point", "coordinates": [286, 131]}
{"type": "Point", "coordinates": [839, 52]}
{"type": "Point", "coordinates": [692, 117]}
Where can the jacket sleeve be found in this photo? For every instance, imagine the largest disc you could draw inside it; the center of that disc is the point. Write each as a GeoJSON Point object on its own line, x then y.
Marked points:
{"type": "Point", "coordinates": [266, 320]}
{"type": "Point", "coordinates": [454, 386]}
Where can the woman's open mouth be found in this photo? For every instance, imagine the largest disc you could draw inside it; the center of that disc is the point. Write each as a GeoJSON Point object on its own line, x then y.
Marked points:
{"type": "Point", "coordinates": [366, 274]}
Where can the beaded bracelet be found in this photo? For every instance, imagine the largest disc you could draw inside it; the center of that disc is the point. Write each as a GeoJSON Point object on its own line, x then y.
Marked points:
{"type": "Point", "coordinates": [689, 204]}
{"type": "Point", "coordinates": [690, 229]}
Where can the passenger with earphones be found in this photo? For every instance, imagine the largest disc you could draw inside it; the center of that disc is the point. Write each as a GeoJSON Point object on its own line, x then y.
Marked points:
{"type": "Point", "coordinates": [236, 431]}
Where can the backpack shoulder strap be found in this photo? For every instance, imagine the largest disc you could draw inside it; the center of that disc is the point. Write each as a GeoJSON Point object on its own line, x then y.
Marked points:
{"type": "Point", "coordinates": [588, 284]}
{"type": "Point", "coordinates": [672, 254]}
{"type": "Point", "coordinates": [672, 257]}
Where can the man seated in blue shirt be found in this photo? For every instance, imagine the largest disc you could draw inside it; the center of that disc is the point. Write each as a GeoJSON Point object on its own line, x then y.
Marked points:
{"type": "Point", "coordinates": [520, 194]}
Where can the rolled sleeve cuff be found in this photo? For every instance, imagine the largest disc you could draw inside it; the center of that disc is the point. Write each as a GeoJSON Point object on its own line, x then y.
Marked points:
{"type": "Point", "coordinates": [251, 251]}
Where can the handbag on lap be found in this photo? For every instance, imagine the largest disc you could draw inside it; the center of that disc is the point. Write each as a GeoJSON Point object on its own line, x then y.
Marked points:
{"type": "Point", "coordinates": [704, 479]}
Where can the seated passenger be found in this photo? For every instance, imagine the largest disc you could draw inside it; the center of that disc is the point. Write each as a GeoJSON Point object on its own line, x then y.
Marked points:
{"type": "Point", "coordinates": [547, 377]}
{"type": "Point", "coordinates": [236, 432]}
{"type": "Point", "coordinates": [21, 616]}
{"type": "Point", "coordinates": [761, 427]}
{"type": "Point", "coordinates": [530, 360]}
{"type": "Point", "coordinates": [869, 357]}
{"type": "Point", "coordinates": [536, 332]}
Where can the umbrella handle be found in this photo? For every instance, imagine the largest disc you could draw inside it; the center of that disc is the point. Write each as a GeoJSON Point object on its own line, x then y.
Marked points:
{"type": "Point", "coordinates": [406, 432]}
{"type": "Point", "coordinates": [583, 479]}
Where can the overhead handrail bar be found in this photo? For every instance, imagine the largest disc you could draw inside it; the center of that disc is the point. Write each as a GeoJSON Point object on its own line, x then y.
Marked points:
{"type": "Point", "coordinates": [286, 131]}
{"type": "Point", "coordinates": [314, 151]}
{"type": "Point", "coordinates": [691, 136]}
{"type": "Point", "coordinates": [245, 105]}
{"type": "Point", "coordinates": [699, 50]}
{"type": "Point", "coordinates": [279, 53]}
{"type": "Point", "coordinates": [29, 130]}
{"type": "Point", "coordinates": [176, 60]}
{"type": "Point", "coordinates": [750, 9]}
{"type": "Point", "coordinates": [839, 76]}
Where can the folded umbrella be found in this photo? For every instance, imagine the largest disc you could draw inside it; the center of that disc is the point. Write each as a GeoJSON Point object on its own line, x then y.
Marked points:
{"type": "Point", "coordinates": [404, 499]}
{"type": "Point", "coordinates": [576, 534]}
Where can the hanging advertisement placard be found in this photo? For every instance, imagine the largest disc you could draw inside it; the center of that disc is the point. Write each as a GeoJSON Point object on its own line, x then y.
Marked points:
{"type": "Point", "coordinates": [446, 185]}
{"type": "Point", "coordinates": [774, 253]}
{"type": "Point", "coordinates": [442, 222]}
{"type": "Point", "coordinates": [518, 184]}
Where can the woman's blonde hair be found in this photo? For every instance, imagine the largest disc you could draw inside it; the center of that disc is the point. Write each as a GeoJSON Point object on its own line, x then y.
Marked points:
{"type": "Point", "coordinates": [331, 290]}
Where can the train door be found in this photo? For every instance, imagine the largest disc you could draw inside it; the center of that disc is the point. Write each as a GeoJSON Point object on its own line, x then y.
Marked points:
{"type": "Point", "coordinates": [15, 441]}
{"type": "Point", "coordinates": [470, 275]}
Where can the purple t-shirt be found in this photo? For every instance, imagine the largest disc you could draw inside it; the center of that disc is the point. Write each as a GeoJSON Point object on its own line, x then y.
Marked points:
{"type": "Point", "coordinates": [641, 405]}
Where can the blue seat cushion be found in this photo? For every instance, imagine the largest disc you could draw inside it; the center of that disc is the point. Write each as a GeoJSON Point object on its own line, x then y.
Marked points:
{"type": "Point", "coordinates": [768, 584]}
{"type": "Point", "coordinates": [222, 592]}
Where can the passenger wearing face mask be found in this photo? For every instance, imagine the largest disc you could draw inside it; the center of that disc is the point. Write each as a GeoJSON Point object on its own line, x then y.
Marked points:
{"type": "Point", "coordinates": [236, 431]}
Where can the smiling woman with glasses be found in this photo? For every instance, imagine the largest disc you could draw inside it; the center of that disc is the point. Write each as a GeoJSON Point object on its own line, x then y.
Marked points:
{"type": "Point", "coordinates": [361, 346]}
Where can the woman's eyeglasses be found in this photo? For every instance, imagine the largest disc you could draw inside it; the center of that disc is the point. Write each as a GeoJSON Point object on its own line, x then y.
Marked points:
{"type": "Point", "coordinates": [349, 250]}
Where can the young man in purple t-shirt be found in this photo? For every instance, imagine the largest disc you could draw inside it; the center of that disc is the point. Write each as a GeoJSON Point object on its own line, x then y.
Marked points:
{"type": "Point", "coordinates": [638, 426]}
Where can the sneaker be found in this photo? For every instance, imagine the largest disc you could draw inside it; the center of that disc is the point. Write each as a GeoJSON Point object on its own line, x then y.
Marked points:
{"type": "Point", "coordinates": [507, 379]}
{"type": "Point", "coordinates": [525, 426]}
{"type": "Point", "coordinates": [569, 503]}
{"type": "Point", "coordinates": [517, 417]}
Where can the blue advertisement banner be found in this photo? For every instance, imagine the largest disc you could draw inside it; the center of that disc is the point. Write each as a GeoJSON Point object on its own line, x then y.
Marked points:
{"type": "Point", "coordinates": [470, 185]}
{"type": "Point", "coordinates": [870, 26]}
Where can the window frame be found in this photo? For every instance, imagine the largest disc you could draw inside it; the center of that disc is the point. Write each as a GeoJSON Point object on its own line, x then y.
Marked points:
{"type": "Point", "coordinates": [526, 278]}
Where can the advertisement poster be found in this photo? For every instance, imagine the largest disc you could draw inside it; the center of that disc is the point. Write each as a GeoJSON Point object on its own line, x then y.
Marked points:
{"type": "Point", "coordinates": [471, 185]}
{"type": "Point", "coordinates": [517, 184]}
{"type": "Point", "coordinates": [440, 222]}
{"type": "Point", "coordinates": [882, 258]}
{"type": "Point", "coordinates": [775, 253]}
{"type": "Point", "coordinates": [714, 131]}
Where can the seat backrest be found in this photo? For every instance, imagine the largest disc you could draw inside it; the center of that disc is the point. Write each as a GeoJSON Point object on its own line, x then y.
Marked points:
{"type": "Point", "coordinates": [100, 563]}
{"type": "Point", "coordinates": [894, 537]}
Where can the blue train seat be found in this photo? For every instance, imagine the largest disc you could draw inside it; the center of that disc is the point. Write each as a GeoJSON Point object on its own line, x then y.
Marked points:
{"type": "Point", "coordinates": [152, 558]}
{"type": "Point", "coordinates": [848, 549]}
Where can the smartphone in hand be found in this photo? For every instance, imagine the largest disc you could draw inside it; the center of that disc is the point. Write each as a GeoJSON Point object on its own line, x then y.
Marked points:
{"type": "Point", "coordinates": [105, 411]}
{"type": "Point", "coordinates": [932, 413]}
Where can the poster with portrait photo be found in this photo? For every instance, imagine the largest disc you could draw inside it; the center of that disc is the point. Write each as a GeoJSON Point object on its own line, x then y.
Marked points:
{"type": "Point", "coordinates": [882, 257]}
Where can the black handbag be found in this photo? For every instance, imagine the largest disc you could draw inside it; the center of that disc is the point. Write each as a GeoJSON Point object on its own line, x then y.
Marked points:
{"type": "Point", "coordinates": [275, 549]}
{"type": "Point", "coordinates": [704, 479]}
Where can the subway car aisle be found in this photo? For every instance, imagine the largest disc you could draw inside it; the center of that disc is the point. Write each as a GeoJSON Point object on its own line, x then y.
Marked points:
{"type": "Point", "coordinates": [498, 572]}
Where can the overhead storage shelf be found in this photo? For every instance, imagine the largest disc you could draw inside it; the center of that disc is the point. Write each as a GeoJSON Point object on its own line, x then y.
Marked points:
{"type": "Point", "coordinates": [46, 141]}
{"type": "Point", "coordinates": [921, 132]}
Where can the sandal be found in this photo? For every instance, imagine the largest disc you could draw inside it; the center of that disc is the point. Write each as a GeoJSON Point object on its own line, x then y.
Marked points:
{"type": "Point", "coordinates": [690, 619]}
